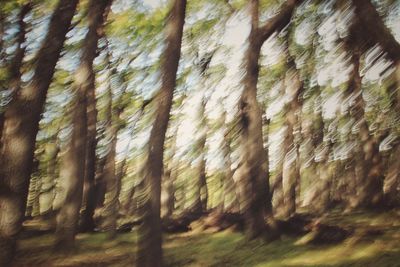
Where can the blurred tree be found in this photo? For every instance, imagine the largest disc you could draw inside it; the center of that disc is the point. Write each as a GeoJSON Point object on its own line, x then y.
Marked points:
{"type": "Point", "coordinates": [201, 193]}
{"type": "Point", "coordinates": [21, 120]}
{"type": "Point", "coordinates": [74, 161]}
{"type": "Point", "coordinates": [371, 176]}
{"type": "Point", "coordinates": [254, 173]}
{"type": "Point", "coordinates": [149, 247]}
{"type": "Point", "coordinates": [230, 201]}
{"type": "Point", "coordinates": [290, 170]}
{"type": "Point", "coordinates": [171, 168]}
{"type": "Point", "coordinates": [111, 175]}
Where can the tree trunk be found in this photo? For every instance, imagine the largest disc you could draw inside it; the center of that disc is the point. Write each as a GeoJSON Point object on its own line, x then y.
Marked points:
{"type": "Point", "coordinates": [129, 205]}
{"type": "Point", "coordinates": [47, 193]}
{"type": "Point", "coordinates": [392, 180]}
{"type": "Point", "coordinates": [290, 168]}
{"type": "Point", "coordinates": [201, 193]}
{"type": "Point", "coordinates": [230, 201]}
{"type": "Point", "coordinates": [320, 198]}
{"type": "Point", "coordinates": [149, 246]}
{"type": "Point", "coordinates": [170, 173]}
{"type": "Point", "coordinates": [74, 172]}
{"type": "Point", "coordinates": [368, 160]}
{"type": "Point", "coordinates": [254, 176]}
{"type": "Point", "coordinates": [361, 38]}
{"type": "Point", "coordinates": [112, 187]}
{"type": "Point", "coordinates": [20, 128]}
{"type": "Point", "coordinates": [112, 178]}
{"type": "Point", "coordinates": [89, 201]}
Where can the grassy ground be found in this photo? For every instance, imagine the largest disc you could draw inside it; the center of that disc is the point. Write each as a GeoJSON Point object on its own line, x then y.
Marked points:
{"type": "Point", "coordinates": [231, 249]}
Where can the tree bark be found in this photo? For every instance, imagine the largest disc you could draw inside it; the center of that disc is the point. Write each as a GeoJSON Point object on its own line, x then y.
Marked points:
{"type": "Point", "coordinates": [21, 123]}
{"type": "Point", "coordinates": [74, 169]}
{"type": "Point", "coordinates": [149, 246]}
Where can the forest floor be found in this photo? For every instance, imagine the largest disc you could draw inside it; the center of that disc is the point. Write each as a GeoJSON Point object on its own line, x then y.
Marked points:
{"type": "Point", "coordinates": [227, 248]}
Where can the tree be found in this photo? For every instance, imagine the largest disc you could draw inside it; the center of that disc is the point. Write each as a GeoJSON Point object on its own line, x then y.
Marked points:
{"type": "Point", "coordinates": [111, 175]}
{"type": "Point", "coordinates": [359, 41]}
{"type": "Point", "coordinates": [290, 169]}
{"type": "Point", "coordinates": [75, 156]}
{"type": "Point", "coordinates": [201, 194]}
{"type": "Point", "coordinates": [170, 173]}
{"type": "Point", "coordinates": [87, 223]}
{"type": "Point", "coordinates": [230, 202]}
{"type": "Point", "coordinates": [369, 162]}
{"type": "Point", "coordinates": [21, 121]}
{"type": "Point", "coordinates": [150, 251]}
{"type": "Point", "coordinates": [253, 170]}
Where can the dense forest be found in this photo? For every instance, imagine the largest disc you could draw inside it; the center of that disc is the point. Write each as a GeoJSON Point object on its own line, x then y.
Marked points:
{"type": "Point", "coordinates": [157, 133]}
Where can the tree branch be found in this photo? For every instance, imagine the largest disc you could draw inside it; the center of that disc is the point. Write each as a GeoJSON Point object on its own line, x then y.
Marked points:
{"type": "Point", "coordinates": [279, 21]}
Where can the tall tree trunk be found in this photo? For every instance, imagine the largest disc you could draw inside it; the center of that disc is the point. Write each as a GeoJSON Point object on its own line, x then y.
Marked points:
{"type": "Point", "coordinates": [112, 178]}
{"type": "Point", "coordinates": [150, 251]}
{"type": "Point", "coordinates": [74, 172]}
{"type": "Point", "coordinates": [369, 165]}
{"type": "Point", "coordinates": [201, 193]}
{"type": "Point", "coordinates": [129, 204]}
{"type": "Point", "coordinates": [170, 173]}
{"type": "Point", "coordinates": [253, 170]}
{"type": "Point", "coordinates": [21, 123]}
{"type": "Point", "coordinates": [112, 186]}
{"type": "Point", "coordinates": [366, 30]}
{"type": "Point", "coordinates": [89, 201]}
{"type": "Point", "coordinates": [230, 202]}
{"type": "Point", "coordinates": [254, 176]}
{"type": "Point", "coordinates": [368, 160]}
{"type": "Point", "coordinates": [321, 173]}
{"type": "Point", "coordinates": [290, 168]}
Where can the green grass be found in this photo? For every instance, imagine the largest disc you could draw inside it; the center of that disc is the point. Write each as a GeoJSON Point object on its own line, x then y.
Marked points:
{"type": "Point", "coordinates": [231, 249]}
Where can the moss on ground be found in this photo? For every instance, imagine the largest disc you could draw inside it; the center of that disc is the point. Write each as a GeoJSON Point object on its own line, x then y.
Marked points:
{"type": "Point", "coordinates": [231, 249]}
